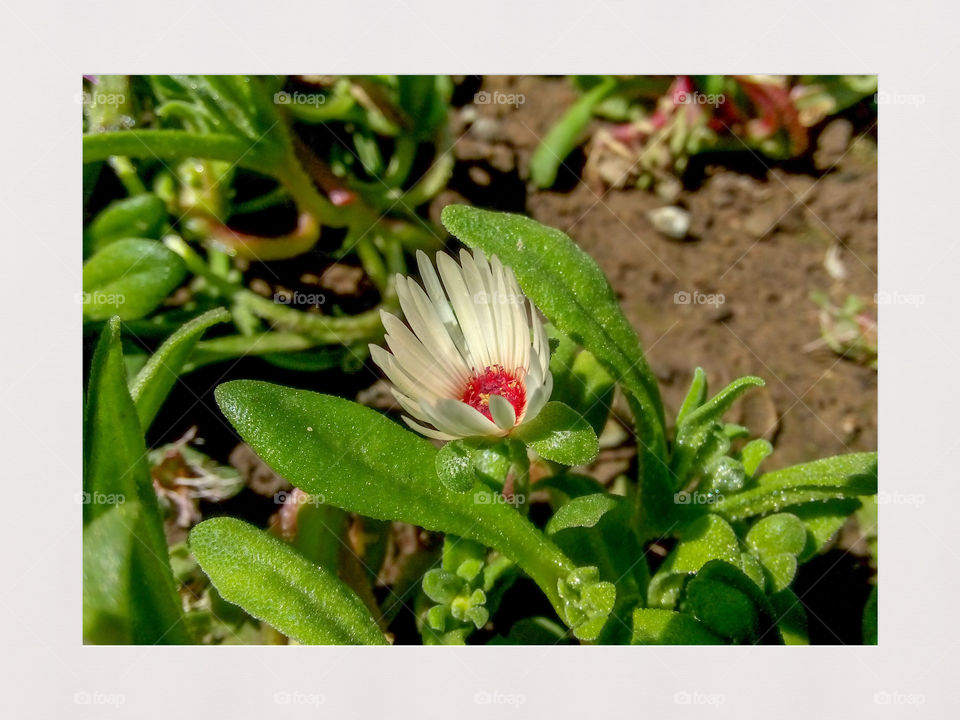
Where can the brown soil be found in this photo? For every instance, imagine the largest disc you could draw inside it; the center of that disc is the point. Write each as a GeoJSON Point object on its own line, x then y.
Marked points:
{"type": "Point", "coordinates": [759, 236]}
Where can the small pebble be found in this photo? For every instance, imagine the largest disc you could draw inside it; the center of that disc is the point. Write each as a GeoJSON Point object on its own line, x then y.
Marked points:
{"type": "Point", "coordinates": [672, 221]}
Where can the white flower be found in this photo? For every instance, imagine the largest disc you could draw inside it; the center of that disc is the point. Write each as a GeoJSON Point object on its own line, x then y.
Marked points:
{"type": "Point", "coordinates": [475, 359]}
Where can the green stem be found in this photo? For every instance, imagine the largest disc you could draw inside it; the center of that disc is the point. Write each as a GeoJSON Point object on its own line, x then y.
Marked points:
{"type": "Point", "coordinates": [235, 346]}
{"type": "Point", "coordinates": [180, 145]}
{"type": "Point", "coordinates": [401, 161]}
{"type": "Point", "coordinates": [127, 175]}
{"type": "Point", "coordinates": [364, 327]}
{"type": "Point", "coordinates": [520, 466]}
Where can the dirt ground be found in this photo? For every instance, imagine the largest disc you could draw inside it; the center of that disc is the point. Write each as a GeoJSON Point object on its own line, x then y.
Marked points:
{"type": "Point", "coordinates": [757, 247]}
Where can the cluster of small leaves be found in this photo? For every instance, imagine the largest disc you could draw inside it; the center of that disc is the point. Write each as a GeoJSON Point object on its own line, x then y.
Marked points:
{"type": "Point", "coordinates": [466, 589]}
{"type": "Point", "coordinates": [198, 155]}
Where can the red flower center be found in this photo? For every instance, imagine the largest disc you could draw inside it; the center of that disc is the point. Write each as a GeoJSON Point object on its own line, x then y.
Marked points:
{"type": "Point", "coordinates": [495, 380]}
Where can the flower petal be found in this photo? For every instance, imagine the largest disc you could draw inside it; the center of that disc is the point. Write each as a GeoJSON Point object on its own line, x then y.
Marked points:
{"type": "Point", "coordinates": [503, 413]}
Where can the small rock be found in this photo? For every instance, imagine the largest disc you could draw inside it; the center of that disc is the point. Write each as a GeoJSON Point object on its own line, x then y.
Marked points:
{"type": "Point", "coordinates": [468, 115]}
{"type": "Point", "coordinates": [478, 176]}
{"type": "Point", "coordinates": [832, 144]}
{"type": "Point", "coordinates": [485, 128]}
{"type": "Point", "coordinates": [672, 221]}
{"type": "Point", "coordinates": [261, 287]}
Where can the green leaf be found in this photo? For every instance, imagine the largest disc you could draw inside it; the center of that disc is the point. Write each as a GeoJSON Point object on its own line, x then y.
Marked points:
{"type": "Point", "coordinates": [698, 436]}
{"type": "Point", "coordinates": [696, 395]}
{"type": "Point", "coordinates": [580, 381]}
{"type": "Point", "coordinates": [455, 464]}
{"type": "Point", "coordinates": [777, 540]}
{"type": "Point", "coordinates": [731, 604]}
{"type": "Point", "coordinates": [560, 434]}
{"type": "Point", "coordinates": [843, 476]}
{"type": "Point", "coordinates": [356, 459]}
{"type": "Point", "coordinates": [172, 145]}
{"type": "Point", "coordinates": [140, 216]}
{"type": "Point", "coordinates": [705, 539]}
{"type": "Point", "coordinates": [823, 521]}
{"type": "Point", "coordinates": [754, 453]}
{"type": "Point", "coordinates": [564, 136]}
{"type": "Point", "coordinates": [653, 626]}
{"type": "Point", "coordinates": [129, 278]}
{"type": "Point", "coordinates": [274, 583]}
{"type": "Point", "coordinates": [152, 384]}
{"type": "Point", "coordinates": [584, 511]}
{"type": "Point", "coordinates": [129, 593]}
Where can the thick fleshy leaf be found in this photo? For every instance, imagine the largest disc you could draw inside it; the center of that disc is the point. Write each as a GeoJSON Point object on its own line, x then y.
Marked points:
{"type": "Point", "coordinates": [152, 384]}
{"type": "Point", "coordinates": [584, 511]}
{"type": "Point", "coordinates": [654, 626]}
{"type": "Point", "coordinates": [839, 477]}
{"type": "Point", "coordinates": [455, 466]}
{"type": "Point", "coordinates": [697, 437]}
{"type": "Point", "coordinates": [356, 459]}
{"type": "Point", "coordinates": [823, 521]}
{"type": "Point", "coordinates": [705, 539]}
{"type": "Point", "coordinates": [274, 583]}
{"type": "Point", "coordinates": [696, 395]}
{"type": "Point", "coordinates": [129, 278]}
{"type": "Point", "coordinates": [754, 453]}
{"type": "Point", "coordinates": [560, 434]}
{"type": "Point", "coordinates": [140, 216]}
{"type": "Point", "coordinates": [731, 604]}
{"type": "Point", "coordinates": [580, 381]}
{"type": "Point", "coordinates": [129, 593]}
{"type": "Point", "coordinates": [777, 540]}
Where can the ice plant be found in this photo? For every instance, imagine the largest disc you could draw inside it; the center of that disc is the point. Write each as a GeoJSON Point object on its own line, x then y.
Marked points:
{"type": "Point", "coordinates": [474, 360]}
